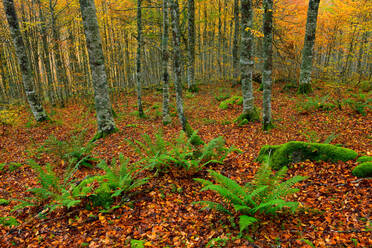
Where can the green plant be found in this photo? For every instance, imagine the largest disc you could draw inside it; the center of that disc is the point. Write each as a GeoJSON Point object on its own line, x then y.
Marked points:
{"type": "Point", "coordinates": [137, 243]}
{"type": "Point", "coordinates": [297, 151]}
{"type": "Point", "coordinates": [10, 167]}
{"type": "Point", "coordinates": [363, 170]}
{"type": "Point", "coordinates": [264, 194]}
{"type": "Point", "coordinates": [8, 221]}
{"type": "Point", "coordinates": [364, 159]}
{"type": "Point", "coordinates": [119, 179]}
{"type": "Point", "coordinates": [359, 103]}
{"type": "Point", "coordinates": [4, 202]}
{"type": "Point", "coordinates": [160, 154]}
{"type": "Point", "coordinates": [312, 104]}
{"type": "Point", "coordinates": [72, 151]}
{"type": "Point", "coordinates": [53, 193]}
{"type": "Point", "coordinates": [234, 100]}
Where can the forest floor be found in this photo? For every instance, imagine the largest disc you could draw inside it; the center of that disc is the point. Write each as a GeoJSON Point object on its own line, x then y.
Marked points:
{"type": "Point", "coordinates": [336, 206]}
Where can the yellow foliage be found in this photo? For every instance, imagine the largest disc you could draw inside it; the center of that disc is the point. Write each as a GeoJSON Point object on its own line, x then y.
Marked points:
{"type": "Point", "coordinates": [8, 116]}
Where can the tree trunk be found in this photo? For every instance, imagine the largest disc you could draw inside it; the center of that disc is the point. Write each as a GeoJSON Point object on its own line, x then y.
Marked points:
{"type": "Point", "coordinates": [191, 46]}
{"type": "Point", "coordinates": [308, 50]}
{"type": "Point", "coordinates": [46, 59]}
{"type": "Point", "coordinates": [165, 56]}
{"type": "Point", "coordinates": [268, 63]}
{"type": "Point", "coordinates": [177, 61]}
{"type": "Point", "coordinates": [247, 63]}
{"type": "Point", "coordinates": [32, 98]}
{"type": "Point", "coordinates": [138, 63]}
{"type": "Point", "coordinates": [106, 124]}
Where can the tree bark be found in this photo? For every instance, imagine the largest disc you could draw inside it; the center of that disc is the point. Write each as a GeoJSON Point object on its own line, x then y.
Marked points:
{"type": "Point", "coordinates": [177, 61]}
{"type": "Point", "coordinates": [106, 124]}
{"type": "Point", "coordinates": [268, 63]}
{"type": "Point", "coordinates": [24, 63]}
{"type": "Point", "coordinates": [165, 58]}
{"type": "Point", "coordinates": [247, 63]}
{"type": "Point", "coordinates": [138, 63]}
{"type": "Point", "coordinates": [308, 50]}
{"type": "Point", "coordinates": [191, 46]}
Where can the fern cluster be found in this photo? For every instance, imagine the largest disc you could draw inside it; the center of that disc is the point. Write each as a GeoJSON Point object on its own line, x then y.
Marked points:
{"type": "Point", "coordinates": [119, 179]}
{"type": "Point", "coordinates": [359, 103]}
{"type": "Point", "coordinates": [316, 103]}
{"type": "Point", "coordinates": [72, 150]}
{"type": "Point", "coordinates": [264, 194]}
{"type": "Point", "coordinates": [100, 190]}
{"type": "Point", "coordinates": [160, 155]}
{"type": "Point", "coordinates": [53, 193]}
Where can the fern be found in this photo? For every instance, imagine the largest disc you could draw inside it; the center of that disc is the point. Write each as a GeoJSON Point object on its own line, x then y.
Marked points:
{"type": "Point", "coordinates": [264, 194]}
{"type": "Point", "coordinates": [160, 154]}
{"type": "Point", "coordinates": [52, 194]}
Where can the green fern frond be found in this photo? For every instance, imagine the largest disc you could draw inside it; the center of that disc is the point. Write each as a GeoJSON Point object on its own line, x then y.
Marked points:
{"type": "Point", "coordinates": [213, 205]}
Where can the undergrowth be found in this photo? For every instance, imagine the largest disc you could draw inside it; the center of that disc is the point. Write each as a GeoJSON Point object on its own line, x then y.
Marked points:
{"type": "Point", "coordinates": [265, 194]}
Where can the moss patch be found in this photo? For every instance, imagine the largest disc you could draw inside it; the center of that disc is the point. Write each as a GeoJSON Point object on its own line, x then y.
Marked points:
{"type": "Point", "coordinates": [234, 100]}
{"type": "Point", "coordinates": [246, 118]}
{"type": "Point", "coordinates": [364, 159]}
{"type": "Point", "coordinates": [297, 151]}
{"type": "Point", "coordinates": [363, 170]}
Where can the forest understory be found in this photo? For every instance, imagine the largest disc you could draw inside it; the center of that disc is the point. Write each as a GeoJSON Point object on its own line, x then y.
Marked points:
{"type": "Point", "coordinates": [334, 210]}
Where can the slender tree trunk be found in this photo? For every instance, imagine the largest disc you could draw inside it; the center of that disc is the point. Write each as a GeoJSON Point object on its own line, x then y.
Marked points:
{"type": "Point", "coordinates": [191, 46]}
{"type": "Point", "coordinates": [177, 61]}
{"type": "Point", "coordinates": [139, 47]}
{"type": "Point", "coordinates": [61, 74]}
{"type": "Point", "coordinates": [268, 62]}
{"type": "Point", "coordinates": [33, 99]}
{"type": "Point", "coordinates": [308, 50]}
{"type": "Point", "coordinates": [247, 63]}
{"type": "Point", "coordinates": [106, 124]}
{"type": "Point", "coordinates": [46, 60]}
{"type": "Point", "coordinates": [165, 57]}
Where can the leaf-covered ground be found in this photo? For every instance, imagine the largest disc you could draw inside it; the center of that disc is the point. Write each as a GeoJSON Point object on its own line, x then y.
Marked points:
{"type": "Point", "coordinates": [336, 205]}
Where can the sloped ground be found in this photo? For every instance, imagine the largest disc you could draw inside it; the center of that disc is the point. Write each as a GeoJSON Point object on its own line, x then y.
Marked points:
{"type": "Point", "coordinates": [337, 205]}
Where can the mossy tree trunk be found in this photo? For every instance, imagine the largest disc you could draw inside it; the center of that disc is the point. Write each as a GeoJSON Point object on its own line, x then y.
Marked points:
{"type": "Point", "coordinates": [175, 16]}
{"type": "Point", "coordinates": [246, 62]}
{"type": "Point", "coordinates": [308, 49]}
{"type": "Point", "coordinates": [268, 62]}
{"type": "Point", "coordinates": [191, 46]}
{"type": "Point", "coordinates": [138, 62]}
{"type": "Point", "coordinates": [106, 124]}
{"type": "Point", "coordinates": [24, 63]}
{"type": "Point", "coordinates": [165, 58]}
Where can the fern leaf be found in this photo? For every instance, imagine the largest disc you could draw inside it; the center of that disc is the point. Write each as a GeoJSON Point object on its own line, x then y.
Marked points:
{"type": "Point", "coordinates": [246, 221]}
{"type": "Point", "coordinates": [228, 183]}
{"type": "Point", "coordinates": [213, 205]}
{"type": "Point", "coordinates": [224, 192]}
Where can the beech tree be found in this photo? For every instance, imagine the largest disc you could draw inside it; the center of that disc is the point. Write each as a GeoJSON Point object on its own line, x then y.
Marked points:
{"type": "Point", "coordinates": [308, 49]}
{"type": "Point", "coordinates": [247, 63]}
{"type": "Point", "coordinates": [23, 61]}
{"type": "Point", "coordinates": [191, 46]}
{"type": "Point", "coordinates": [268, 62]}
{"type": "Point", "coordinates": [175, 16]}
{"type": "Point", "coordinates": [138, 59]}
{"type": "Point", "coordinates": [165, 57]}
{"type": "Point", "coordinates": [105, 120]}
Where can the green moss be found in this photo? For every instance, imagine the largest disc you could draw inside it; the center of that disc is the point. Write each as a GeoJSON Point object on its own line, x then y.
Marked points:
{"type": "Point", "coordinates": [364, 159]}
{"type": "Point", "coordinates": [195, 139]}
{"type": "Point", "coordinates": [297, 151]}
{"type": "Point", "coordinates": [363, 170]}
{"type": "Point", "coordinates": [366, 86]}
{"type": "Point", "coordinates": [238, 100]}
{"type": "Point", "coordinates": [304, 89]}
{"type": "Point", "coordinates": [4, 202]}
{"type": "Point", "coordinates": [100, 135]}
{"type": "Point", "coordinates": [246, 118]}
